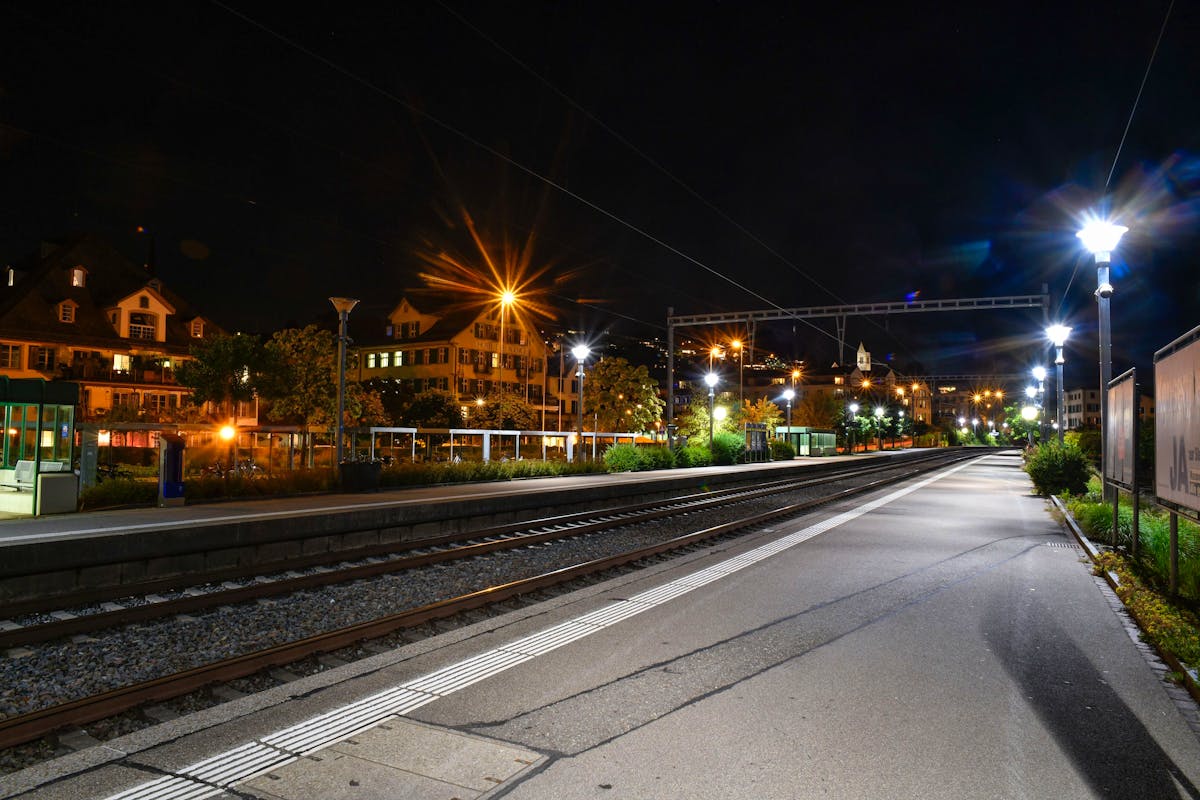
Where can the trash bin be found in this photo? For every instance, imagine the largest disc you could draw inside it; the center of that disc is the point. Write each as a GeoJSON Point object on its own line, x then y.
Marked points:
{"type": "Point", "coordinates": [359, 476]}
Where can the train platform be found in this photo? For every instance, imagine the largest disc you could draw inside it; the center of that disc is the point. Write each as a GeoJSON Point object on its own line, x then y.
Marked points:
{"type": "Point", "coordinates": [939, 638]}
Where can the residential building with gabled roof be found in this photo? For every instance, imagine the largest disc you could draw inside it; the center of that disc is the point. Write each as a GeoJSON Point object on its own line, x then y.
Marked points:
{"type": "Point", "coordinates": [426, 346]}
{"type": "Point", "coordinates": [79, 310]}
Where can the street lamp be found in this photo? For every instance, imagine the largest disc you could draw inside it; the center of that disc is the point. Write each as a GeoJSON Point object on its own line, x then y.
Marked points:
{"type": "Point", "coordinates": [711, 379]}
{"type": "Point", "coordinates": [580, 351]}
{"type": "Point", "coordinates": [736, 344]}
{"type": "Point", "coordinates": [1058, 334]}
{"type": "Point", "coordinates": [343, 306]}
{"type": "Point", "coordinates": [1100, 237]}
{"type": "Point", "coordinates": [879, 426]}
{"type": "Point", "coordinates": [901, 426]}
{"type": "Point", "coordinates": [853, 414]}
{"type": "Point", "coordinates": [788, 394]}
{"type": "Point", "coordinates": [1039, 375]}
{"type": "Point", "coordinates": [507, 298]}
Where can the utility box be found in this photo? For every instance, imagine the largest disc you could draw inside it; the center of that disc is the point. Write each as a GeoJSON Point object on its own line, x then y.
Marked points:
{"type": "Point", "coordinates": [170, 470]}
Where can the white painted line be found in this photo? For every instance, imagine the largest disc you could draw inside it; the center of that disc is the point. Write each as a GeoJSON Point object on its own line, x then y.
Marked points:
{"type": "Point", "coordinates": [326, 729]}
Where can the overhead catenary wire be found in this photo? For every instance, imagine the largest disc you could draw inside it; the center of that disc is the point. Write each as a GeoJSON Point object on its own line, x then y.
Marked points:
{"type": "Point", "coordinates": [453, 130]}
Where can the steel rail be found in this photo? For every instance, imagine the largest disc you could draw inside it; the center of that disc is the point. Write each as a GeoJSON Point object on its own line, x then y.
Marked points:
{"type": "Point", "coordinates": [514, 536]}
{"type": "Point", "coordinates": [326, 558]}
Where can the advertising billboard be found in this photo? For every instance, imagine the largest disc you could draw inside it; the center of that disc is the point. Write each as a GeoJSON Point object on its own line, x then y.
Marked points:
{"type": "Point", "coordinates": [1120, 430]}
{"type": "Point", "coordinates": [1177, 422]}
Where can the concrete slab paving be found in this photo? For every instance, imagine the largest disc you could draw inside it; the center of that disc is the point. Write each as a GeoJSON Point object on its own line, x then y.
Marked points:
{"type": "Point", "coordinates": [399, 758]}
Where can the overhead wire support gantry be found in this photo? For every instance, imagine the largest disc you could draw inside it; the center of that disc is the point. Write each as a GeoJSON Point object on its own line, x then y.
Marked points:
{"type": "Point", "coordinates": [839, 313]}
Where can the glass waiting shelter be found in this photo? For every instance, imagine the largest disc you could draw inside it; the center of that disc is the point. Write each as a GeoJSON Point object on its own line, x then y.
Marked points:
{"type": "Point", "coordinates": [38, 443]}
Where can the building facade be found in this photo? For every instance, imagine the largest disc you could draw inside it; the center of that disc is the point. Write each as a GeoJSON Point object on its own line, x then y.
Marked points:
{"type": "Point", "coordinates": [78, 310]}
{"type": "Point", "coordinates": [471, 353]}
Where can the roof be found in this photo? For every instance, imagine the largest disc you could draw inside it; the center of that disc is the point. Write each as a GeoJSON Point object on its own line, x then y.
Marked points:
{"type": "Point", "coordinates": [28, 308]}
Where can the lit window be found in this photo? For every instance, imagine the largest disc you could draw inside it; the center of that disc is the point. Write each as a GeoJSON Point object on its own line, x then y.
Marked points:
{"type": "Point", "coordinates": [384, 359]}
{"type": "Point", "coordinates": [197, 329]}
{"type": "Point", "coordinates": [78, 276]}
{"type": "Point", "coordinates": [397, 358]}
{"type": "Point", "coordinates": [121, 362]}
{"type": "Point", "coordinates": [371, 361]}
{"type": "Point", "coordinates": [142, 326]}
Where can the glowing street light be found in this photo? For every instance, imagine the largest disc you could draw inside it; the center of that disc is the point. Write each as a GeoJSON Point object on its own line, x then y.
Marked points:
{"type": "Point", "coordinates": [853, 407]}
{"type": "Point", "coordinates": [580, 351]}
{"type": "Point", "coordinates": [879, 426]}
{"type": "Point", "coordinates": [788, 394]}
{"type": "Point", "coordinates": [1058, 334]}
{"type": "Point", "coordinates": [1101, 237]}
{"type": "Point", "coordinates": [343, 306]}
{"type": "Point", "coordinates": [507, 298]}
{"type": "Point", "coordinates": [736, 344]}
{"type": "Point", "coordinates": [711, 379]}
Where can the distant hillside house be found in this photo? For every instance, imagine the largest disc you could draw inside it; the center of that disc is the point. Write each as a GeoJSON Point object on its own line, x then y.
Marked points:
{"type": "Point", "coordinates": [458, 351]}
{"type": "Point", "coordinates": [81, 311]}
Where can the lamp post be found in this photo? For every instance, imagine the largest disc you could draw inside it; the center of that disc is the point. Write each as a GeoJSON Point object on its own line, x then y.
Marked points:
{"type": "Point", "coordinates": [1100, 237]}
{"type": "Point", "coordinates": [343, 306]}
{"type": "Point", "coordinates": [736, 344]}
{"type": "Point", "coordinates": [1058, 334]}
{"type": "Point", "coordinates": [580, 351]}
{"type": "Point", "coordinates": [1039, 375]}
{"type": "Point", "coordinates": [711, 379]}
{"type": "Point", "coordinates": [788, 394]}
{"type": "Point", "coordinates": [879, 427]}
{"type": "Point", "coordinates": [853, 414]}
{"type": "Point", "coordinates": [507, 298]}
{"type": "Point", "coordinates": [901, 426]}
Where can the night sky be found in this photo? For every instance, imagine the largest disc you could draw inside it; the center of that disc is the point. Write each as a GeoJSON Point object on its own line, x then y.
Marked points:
{"type": "Point", "coordinates": [626, 158]}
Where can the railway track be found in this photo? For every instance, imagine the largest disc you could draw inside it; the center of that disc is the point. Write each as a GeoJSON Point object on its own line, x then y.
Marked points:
{"type": "Point", "coordinates": [28, 727]}
{"type": "Point", "coordinates": [79, 616]}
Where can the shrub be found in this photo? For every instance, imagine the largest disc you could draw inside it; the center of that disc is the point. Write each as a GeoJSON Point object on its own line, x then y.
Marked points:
{"type": "Point", "coordinates": [693, 455]}
{"type": "Point", "coordinates": [623, 458]}
{"type": "Point", "coordinates": [657, 457]}
{"type": "Point", "coordinates": [1055, 469]}
{"type": "Point", "coordinates": [118, 492]}
{"type": "Point", "coordinates": [782, 450]}
{"type": "Point", "coordinates": [728, 448]}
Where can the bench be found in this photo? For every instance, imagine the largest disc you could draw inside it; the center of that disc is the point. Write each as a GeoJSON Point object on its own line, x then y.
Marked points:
{"type": "Point", "coordinates": [23, 474]}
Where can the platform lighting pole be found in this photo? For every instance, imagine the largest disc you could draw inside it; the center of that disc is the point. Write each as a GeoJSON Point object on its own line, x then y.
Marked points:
{"type": "Point", "coordinates": [711, 379]}
{"type": "Point", "coordinates": [1100, 237]}
{"type": "Point", "coordinates": [736, 344]}
{"type": "Point", "coordinates": [879, 427]}
{"type": "Point", "coordinates": [1058, 334]}
{"type": "Point", "coordinates": [788, 394]}
{"type": "Point", "coordinates": [343, 306]}
{"type": "Point", "coordinates": [1039, 375]}
{"type": "Point", "coordinates": [580, 352]}
{"type": "Point", "coordinates": [850, 431]}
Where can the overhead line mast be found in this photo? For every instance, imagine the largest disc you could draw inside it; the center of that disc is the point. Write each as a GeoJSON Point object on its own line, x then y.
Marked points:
{"type": "Point", "coordinates": [839, 314]}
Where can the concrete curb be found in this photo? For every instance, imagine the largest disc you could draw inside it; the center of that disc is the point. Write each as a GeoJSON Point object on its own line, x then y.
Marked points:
{"type": "Point", "coordinates": [1190, 679]}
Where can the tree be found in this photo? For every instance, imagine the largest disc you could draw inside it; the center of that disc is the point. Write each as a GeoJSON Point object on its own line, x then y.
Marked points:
{"type": "Point", "coordinates": [762, 410]}
{"type": "Point", "coordinates": [621, 397]}
{"type": "Point", "coordinates": [818, 410]}
{"type": "Point", "coordinates": [301, 381]}
{"type": "Point", "coordinates": [433, 408]}
{"type": "Point", "coordinates": [508, 412]}
{"type": "Point", "coordinates": [223, 370]}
